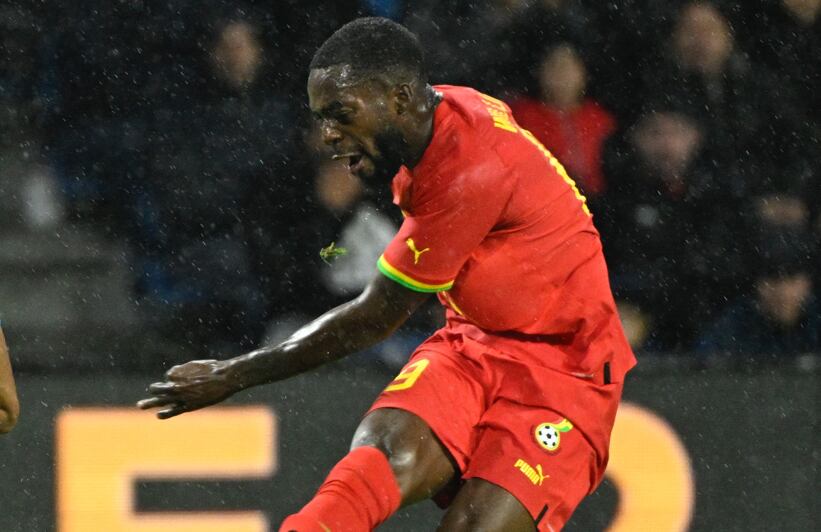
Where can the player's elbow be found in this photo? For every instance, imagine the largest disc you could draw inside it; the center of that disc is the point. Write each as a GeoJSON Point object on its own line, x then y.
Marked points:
{"type": "Point", "coordinates": [387, 305]}
{"type": "Point", "coordinates": [386, 321]}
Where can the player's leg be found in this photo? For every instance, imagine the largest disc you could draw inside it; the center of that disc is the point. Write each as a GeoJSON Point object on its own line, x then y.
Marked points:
{"type": "Point", "coordinates": [532, 455]}
{"type": "Point", "coordinates": [543, 439]}
{"type": "Point", "coordinates": [395, 460]}
{"type": "Point", "coordinates": [420, 463]}
{"type": "Point", "coordinates": [408, 447]}
{"type": "Point", "coordinates": [481, 506]}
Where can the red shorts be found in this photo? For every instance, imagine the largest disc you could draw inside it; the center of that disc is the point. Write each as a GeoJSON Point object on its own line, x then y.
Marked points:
{"type": "Point", "coordinates": [540, 434]}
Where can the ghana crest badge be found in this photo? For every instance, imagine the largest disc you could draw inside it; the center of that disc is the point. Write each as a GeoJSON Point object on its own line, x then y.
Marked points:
{"type": "Point", "coordinates": [548, 435]}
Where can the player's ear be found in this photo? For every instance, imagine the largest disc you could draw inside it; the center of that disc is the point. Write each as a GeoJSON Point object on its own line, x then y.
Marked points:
{"type": "Point", "coordinates": [402, 96]}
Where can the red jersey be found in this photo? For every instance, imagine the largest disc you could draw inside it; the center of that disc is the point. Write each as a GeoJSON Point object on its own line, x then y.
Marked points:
{"type": "Point", "coordinates": [575, 137]}
{"type": "Point", "coordinates": [494, 224]}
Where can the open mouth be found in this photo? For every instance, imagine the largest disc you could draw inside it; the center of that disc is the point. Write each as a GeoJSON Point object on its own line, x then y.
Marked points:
{"type": "Point", "coordinates": [354, 160]}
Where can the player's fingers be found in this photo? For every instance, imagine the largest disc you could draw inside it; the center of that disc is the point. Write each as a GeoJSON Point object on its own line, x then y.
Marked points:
{"type": "Point", "coordinates": [173, 371]}
{"type": "Point", "coordinates": [154, 402]}
{"type": "Point", "coordinates": [175, 410]}
{"type": "Point", "coordinates": [162, 388]}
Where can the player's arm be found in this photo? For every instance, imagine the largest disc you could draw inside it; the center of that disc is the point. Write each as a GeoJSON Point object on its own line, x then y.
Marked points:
{"type": "Point", "coordinates": [9, 405]}
{"type": "Point", "coordinates": [381, 309]}
{"type": "Point", "coordinates": [356, 325]}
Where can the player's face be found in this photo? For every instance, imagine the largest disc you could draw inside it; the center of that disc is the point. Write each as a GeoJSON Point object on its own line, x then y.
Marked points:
{"type": "Point", "coordinates": [357, 122]}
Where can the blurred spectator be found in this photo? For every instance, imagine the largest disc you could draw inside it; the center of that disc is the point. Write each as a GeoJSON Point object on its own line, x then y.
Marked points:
{"type": "Point", "coordinates": [573, 127]}
{"type": "Point", "coordinates": [624, 39]}
{"type": "Point", "coordinates": [466, 40]}
{"type": "Point", "coordinates": [296, 28]}
{"type": "Point", "coordinates": [751, 123]}
{"type": "Point", "coordinates": [170, 124]}
{"type": "Point", "coordinates": [529, 28]}
{"type": "Point", "coordinates": [793, 211]}
{"type": "Point", "coordinates": [781, 316]}
{"type": "Point", "coordinates": [337, 208]}
{"type": "Point", "coordinates": [785, 36]}
{"type": "Point", "coordinates": [362, 230]}
{"type": "Point", "coordinates": [20, 75]}
{"type": "Point", "coordinates": [670, 235]}
{"type": "Point", "coordinates": [237, 55]}
{"type": "Point", "coordinates": [101, 80]}
{"type": "Point", "coordinates": [214, 173]}
{"type": "Point", "coordinates": [782, 210]}
{"type": "Point", "coordinates": [29, 192]}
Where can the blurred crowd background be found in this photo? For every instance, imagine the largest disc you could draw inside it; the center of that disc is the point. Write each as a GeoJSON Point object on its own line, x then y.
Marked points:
{"type": "Point", "coordinates": [162, 186]}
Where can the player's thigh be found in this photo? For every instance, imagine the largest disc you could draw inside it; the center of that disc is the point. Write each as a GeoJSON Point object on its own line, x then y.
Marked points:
{"type": "Point", "coordinates": [540, 457]}
{"type": "Point", "coordinates": [420, 462]}
{"type": "Point", "coordinates": [481, 506]}
{"type": "Point", "coordinates": [424, 420]}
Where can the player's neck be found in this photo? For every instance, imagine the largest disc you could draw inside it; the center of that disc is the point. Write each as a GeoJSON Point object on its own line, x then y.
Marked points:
{"type": "Point", "coordinates": [421, 135]}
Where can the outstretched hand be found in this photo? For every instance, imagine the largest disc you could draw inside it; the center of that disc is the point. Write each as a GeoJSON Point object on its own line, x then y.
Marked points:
{"type": "Point", "coordinates": [188, 387]}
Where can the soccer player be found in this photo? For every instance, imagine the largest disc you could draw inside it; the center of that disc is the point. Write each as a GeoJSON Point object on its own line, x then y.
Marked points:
{"type": "Point", "coordinates": [503, 415]}
{"type": "Point", "coordinates": [9, 405]}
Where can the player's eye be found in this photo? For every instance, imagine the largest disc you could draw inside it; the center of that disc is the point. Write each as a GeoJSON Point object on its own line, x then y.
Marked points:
{"type": "Point", "coordinates": [344, 117]}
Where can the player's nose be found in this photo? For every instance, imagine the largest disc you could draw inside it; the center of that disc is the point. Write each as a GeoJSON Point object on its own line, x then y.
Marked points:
{"type": "Point", "coordinates": [330, 134]}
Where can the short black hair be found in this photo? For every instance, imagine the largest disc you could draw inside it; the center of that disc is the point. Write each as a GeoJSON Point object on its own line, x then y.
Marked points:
{"type": "Point", "coordinates": [374, 47]}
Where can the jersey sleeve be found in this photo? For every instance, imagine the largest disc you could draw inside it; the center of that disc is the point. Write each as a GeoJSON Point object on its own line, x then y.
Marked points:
{"type": "Point", "coordinates": [445, 227]}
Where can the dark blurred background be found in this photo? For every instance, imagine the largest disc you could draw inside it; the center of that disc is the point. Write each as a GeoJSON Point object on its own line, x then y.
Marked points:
{"type": "Point", "coordinates": [162, 187]}
{"type": "Point", "coordinates": [164, 196]}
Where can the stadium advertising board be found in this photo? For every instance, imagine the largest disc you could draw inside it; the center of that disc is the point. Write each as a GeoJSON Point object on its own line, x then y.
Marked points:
{"type": "Point", "coordinates": [681, 458]}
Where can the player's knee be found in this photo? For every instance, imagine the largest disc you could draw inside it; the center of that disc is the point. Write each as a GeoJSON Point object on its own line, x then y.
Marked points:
{"type": "Point", "coordinates": [419, 465]}
{"type": "Point", "coordinates": [402, 451]}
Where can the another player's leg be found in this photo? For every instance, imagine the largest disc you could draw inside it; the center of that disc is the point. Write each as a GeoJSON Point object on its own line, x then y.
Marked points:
{"type": "Point", "coordinates": [395, 460]}
{"type": "Point", "coordinates": [481, 506]}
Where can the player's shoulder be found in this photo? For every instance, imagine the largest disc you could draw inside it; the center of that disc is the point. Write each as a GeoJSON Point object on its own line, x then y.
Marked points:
{"type": "Point", "coordinates": [467, 126]}
{"type": "Point", "coordinates": [460, 137]}
{"type": "Point", "coordinates": [471, 109]}
{"type": "Point", "coordinates": [462, 155]}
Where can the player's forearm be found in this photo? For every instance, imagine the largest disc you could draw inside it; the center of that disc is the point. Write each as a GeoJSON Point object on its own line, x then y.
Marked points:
{"type": "Point", "coordinates": [344, 330]}
{"type": "Point", "coordinates": [9, 410]}
{"type": "Point", "coordinates": [6, 423]}
{"type": "Point", "coordinates": [9, 405]}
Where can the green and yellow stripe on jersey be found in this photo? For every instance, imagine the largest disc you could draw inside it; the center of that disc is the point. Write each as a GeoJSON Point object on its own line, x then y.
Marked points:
{"type": "Point", "coordinates": [409, 282]}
